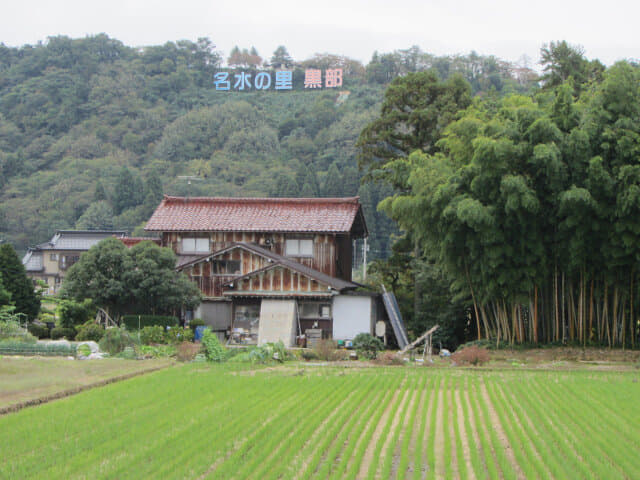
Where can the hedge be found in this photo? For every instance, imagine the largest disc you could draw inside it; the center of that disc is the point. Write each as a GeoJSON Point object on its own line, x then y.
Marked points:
{"type": "Point", "coordinates": [131, 321]}
{"type": "Point", "coordinates": [44, 349]}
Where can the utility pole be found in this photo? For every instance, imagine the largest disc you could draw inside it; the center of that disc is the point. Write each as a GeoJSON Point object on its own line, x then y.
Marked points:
{"type": "Point", "coordinates": [365, 247]}
{"type": "Point", "coordinates": [189, 179]}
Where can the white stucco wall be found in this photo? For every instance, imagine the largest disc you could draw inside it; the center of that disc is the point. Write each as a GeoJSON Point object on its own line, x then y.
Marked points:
{"type": "Point", "coordinates": [351, 315]}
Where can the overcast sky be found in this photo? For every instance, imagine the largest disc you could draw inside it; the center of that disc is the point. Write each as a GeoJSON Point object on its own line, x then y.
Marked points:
{"type": "Point", "coordinates": [508, 29]}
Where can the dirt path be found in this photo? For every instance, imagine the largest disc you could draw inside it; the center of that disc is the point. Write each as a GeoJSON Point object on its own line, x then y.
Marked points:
{"type": "Point", "coordinates": [439, 440]}
{"type": "Point", "coordinates": [416, 431]}
{"type": "Point", "coordinates": [368, 459]}
{"type": "Point", "coordinates": [427, 427]}
{"type": "Point", "coordinates": [452, 431]}
{"type": "Point", "coordinates": [366, 430]}
{"type": "Point", "coordinates": [502, 436]}
{"type": "Point", "coordinates": [474, 427]}
{"type": "Point", "coordinates": [519, 417]}
{"type": "Point", "coordinates": [397, 449]}
{"type": "Point", "coordinates": [466, 450]}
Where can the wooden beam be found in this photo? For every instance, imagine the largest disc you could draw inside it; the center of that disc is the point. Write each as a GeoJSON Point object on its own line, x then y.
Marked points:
{"type": "Point", "coordinates": [420, 339]}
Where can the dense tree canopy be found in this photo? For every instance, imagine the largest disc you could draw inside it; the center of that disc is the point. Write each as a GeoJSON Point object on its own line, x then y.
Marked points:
{"type": "Point", "coordinates": [14, 280]}
{"type": "Point", "coordinates": [531, 208]}
{"type": "Point", "coordinates": [139, 280]}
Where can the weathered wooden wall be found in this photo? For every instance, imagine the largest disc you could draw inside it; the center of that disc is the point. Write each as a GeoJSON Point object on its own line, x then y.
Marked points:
{"type": "Point", "coordinates": [331, 254]}
{"type": "Point", "coordinates": [210, 283]}
{"type": "Point", "coordinates": [279, 280]}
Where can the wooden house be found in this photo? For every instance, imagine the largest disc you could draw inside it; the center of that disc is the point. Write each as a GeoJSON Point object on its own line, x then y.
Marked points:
{"type": "Point", "coordinates": [270, 268]}
{"type": "Point", "coordinates": [50, 261]}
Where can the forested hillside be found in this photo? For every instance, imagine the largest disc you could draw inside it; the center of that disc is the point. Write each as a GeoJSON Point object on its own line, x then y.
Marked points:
{"type": "Point", "coordinates": [93, 132]}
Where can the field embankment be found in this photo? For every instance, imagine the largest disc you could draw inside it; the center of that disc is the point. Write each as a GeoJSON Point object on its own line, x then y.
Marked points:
{"type": "Point", "coordinates": [26, 381]}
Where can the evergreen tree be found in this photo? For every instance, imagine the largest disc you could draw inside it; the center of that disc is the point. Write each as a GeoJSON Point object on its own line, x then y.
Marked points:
{"type": "Point", "coordinates": [99, 194]}
{"type": "Point", "coordinates": [285, 187]}
{"type": "Point", "coordinates": [350, 181]}
{"type": "Point", "coordinates": [16, 282]}
{"type": "Point", "coordinates": [153, 189]}
{"type": "Point", "coordinates": [97, 216]}
{"type": "Point", "coordinates": [333, 183]}
{"type": "Point", "coordinates": [5, 296]}
{"type": "Point", "coordinates": [281, 58]}
{"type": "Point", "coordinates": [153, 192]}
{"type": "Point", "coordinates": [311, 179]}
{"type": "Point", "coordinates": [126, 193]}
{"type": "Point", "coordinates": [307, 191]}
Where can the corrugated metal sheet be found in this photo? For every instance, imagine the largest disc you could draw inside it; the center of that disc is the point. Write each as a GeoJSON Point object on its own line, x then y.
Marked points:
{"type": "Point", "coordinates": [395, 317]}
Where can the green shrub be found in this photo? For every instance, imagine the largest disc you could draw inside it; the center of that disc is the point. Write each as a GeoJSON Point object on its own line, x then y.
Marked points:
{"type": "Point", "coordinates": [44, 349]}
{"type": "Point", "coordinates": [152, 335]}
{"type": "Point", "coordinates": [213, 349]}
{"type": "Point", "coordinates": [63, 332]}
{"type": "Point", "coordinates": [38, 330]}
{"type": "Point", "coordinates": [133, 321]}
{"type": "Point", "coordinates": [157, 351]}
{"type": "Point", "coordinates": [11, 329]}
{"type": "Point", "coordinates": [177, 335]}
{"type": "Point", "coordinates": [115, 340]}
{"type": "Point", "coordinates": [90, 331]}
{"type": "Point", "coordinates": [266, 353]}
{"type": "Point", "coordinates": [74, 313]}
{"type": "Point", "coordinates": [129, 353]}
{"type": "Point", "coordinates": [196, 322]}
{"type": "Point", "coordinates": [367, 345]}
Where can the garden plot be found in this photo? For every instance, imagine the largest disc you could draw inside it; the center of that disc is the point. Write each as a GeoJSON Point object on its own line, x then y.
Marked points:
{"type": "Point", "coordinates": [203, 421]}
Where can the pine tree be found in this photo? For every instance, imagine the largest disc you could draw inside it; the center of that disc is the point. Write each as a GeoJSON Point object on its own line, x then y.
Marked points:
{"type": "Point", "coordinates": [5, 296]}
{"type": "Point", "coordinates": [307, 191]}
{"type": "Point", "coordinates": [333, 183]}
{"type": "Point", "coordinates": [153, 191]}
{"type": "Point", "coordinates": [99, 194]}
{"type": "Point", "coordinates": [125, 195]}
{"type": "Point", "coordinates": [16, 282]}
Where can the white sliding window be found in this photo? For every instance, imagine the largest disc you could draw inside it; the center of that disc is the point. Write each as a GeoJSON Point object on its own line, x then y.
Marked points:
{"type": "Point", "coordinates": [195, 245]}
{"type": "Point", "coordinates": [299, 247]}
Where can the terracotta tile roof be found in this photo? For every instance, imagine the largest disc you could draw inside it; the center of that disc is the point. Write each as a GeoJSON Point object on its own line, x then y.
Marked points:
{"type": "Point", "coordinates": [131, 241]}
{"type": "Point", "coordinates": [319, 215]}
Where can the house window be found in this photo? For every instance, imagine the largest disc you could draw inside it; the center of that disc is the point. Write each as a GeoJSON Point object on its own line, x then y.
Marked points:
{"type": "Point", "coordinates": [68, 260]}
{"type": "Point", "coordinates": [53, 257]}
{"type": "Point", "coordinates": [299, 247]}
{"type": "Point", "coordinates": [226, 267]}
{"type": "Point", "coordinates": [314, 310]}
{"type": "Point", "coordinates": [195, 245]}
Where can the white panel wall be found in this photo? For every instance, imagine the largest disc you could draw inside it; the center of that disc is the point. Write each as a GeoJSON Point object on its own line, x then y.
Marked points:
{"type": "Point", "coordinates": [351, 316]}
{"type": "Point", "coordinates": [277, 322]}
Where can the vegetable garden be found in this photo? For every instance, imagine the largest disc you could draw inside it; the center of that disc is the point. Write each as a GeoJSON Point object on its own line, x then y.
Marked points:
{"type": "Point", "coordinates": [229, 421]}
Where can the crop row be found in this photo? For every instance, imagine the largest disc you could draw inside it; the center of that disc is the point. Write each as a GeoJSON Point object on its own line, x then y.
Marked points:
{"type": "Point", "coordinates": [198, 421]}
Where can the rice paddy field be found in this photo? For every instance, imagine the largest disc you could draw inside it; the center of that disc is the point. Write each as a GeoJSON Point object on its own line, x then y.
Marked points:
{"type": "Point", "coordinates": [202, 421]}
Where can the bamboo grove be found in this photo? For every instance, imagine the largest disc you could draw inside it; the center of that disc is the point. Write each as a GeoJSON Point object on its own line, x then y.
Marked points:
{"type": "Point", "coordinates": [531, 205]}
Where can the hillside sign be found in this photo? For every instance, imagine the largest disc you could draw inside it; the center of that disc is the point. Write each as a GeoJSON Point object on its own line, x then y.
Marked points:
{"type": "Point", "coordinates": [279, 80]}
